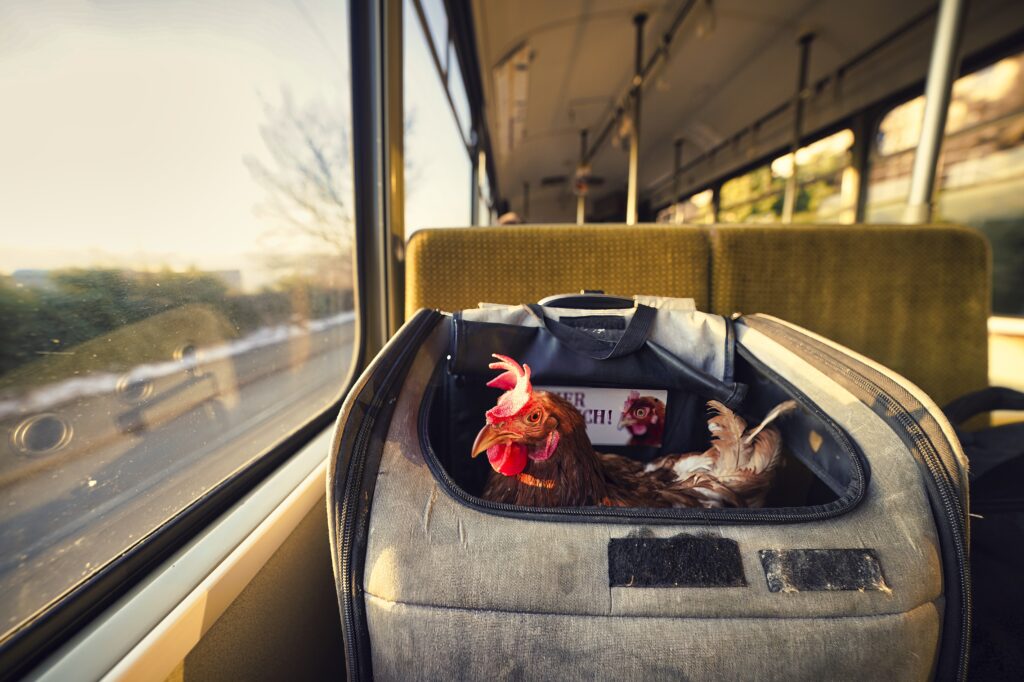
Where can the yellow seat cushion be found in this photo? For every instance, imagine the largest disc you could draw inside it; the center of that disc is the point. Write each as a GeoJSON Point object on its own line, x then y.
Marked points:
{"type": "Point", "coordinates": [914, 298]}
{"type": "Point", "coordinates": [452, 269]}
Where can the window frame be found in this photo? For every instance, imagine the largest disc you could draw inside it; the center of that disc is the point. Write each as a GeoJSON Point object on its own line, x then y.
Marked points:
{"type": "Point", "coordinates": [475, 137]}
{"type": "Point", "coordinates": [45, 631]}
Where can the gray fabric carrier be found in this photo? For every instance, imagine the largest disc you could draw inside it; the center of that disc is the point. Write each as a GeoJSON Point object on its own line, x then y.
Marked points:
{"type": "Point", "coordinates": [855, 569]}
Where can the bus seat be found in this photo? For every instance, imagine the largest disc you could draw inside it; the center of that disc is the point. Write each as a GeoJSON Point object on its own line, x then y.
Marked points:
{"type": "Point", "coordinates": [914, 298]}
{"type": "Point", "coordinates": [451, 269]}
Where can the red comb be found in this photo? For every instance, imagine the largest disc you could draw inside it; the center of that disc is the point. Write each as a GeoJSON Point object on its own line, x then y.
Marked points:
{"type": "Point", "coordinates": [515, 381]}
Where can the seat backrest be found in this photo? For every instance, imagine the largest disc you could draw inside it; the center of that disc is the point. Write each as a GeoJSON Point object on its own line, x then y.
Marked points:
{"type": "Point", "coordinates": [914, 298]}
{"type": "Point", "coordinates": [452, 269]}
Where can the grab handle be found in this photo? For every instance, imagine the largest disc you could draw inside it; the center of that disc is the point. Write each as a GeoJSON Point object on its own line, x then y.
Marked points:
{"type": "Point", "coordinates": [635, 336]}
{"type": "Point", "coordinates": [588, 300]}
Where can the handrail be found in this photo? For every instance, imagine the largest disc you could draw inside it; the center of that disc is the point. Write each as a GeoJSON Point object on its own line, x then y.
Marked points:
{"type": "Point", "coordinates": [656, 57]}
{"type": "Point", "coordinates": [816, 87]}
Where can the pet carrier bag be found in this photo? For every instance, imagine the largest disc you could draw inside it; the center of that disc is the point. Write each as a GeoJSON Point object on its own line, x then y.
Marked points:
{"type": "Point", "coordinates": [855, 567]}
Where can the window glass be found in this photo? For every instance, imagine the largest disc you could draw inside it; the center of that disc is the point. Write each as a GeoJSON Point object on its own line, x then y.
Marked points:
{"type": "Point", "coordinates": [439, 182]}
{"type": "Point", "coordinates": [981, 169]}
{"type": "Point", "coordinates": [694, 210]}
{"type": "Point", "coordinates": [175, 249]}
{"type": "Point", "coordinates": [826, 180]}
{"type": "Point", "coordinates": [755, 197]}
{"type": "Point", "coordinates": [826, 186]}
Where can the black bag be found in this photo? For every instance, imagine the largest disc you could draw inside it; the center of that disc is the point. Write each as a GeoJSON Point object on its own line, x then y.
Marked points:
{"type": "Point", "coordinates": [996, 457]}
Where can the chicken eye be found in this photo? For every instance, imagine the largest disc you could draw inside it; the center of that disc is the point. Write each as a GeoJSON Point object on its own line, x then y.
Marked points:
{"type": "Point", "coordinates": [533, 417]}
{"type": "Point", "coordinates": [640, 412]}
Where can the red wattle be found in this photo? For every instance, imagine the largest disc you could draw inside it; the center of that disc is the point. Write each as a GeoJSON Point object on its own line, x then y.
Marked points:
{"type": "Point", "coordinates": [508, 459]}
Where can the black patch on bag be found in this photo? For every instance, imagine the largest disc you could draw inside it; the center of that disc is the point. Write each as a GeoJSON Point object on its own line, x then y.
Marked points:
{"type": "Point", "coordinates": [822, 570]}
{"type": "Point", "coordinates": [592, 322]}
{"type": "Point", "coordinates": [681, 561]}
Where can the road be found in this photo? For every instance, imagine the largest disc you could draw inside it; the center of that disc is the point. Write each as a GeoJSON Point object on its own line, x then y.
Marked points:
{"type": "Point", "coordinates": [64, 515]}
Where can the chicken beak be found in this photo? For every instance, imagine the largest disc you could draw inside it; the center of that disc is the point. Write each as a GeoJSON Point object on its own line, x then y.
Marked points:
{"type": "Point", "coordinates": [488, 436]}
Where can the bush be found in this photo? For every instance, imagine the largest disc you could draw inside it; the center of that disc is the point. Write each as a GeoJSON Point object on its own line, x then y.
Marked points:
{"type": "Point", "coordinates": [79, 305]}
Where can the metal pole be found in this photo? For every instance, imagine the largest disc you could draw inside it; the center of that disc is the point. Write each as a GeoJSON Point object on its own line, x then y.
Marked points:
{"type": "Point", "coordinates": [394, 121]}
{"type": "Point", "coordinates": [941, 72]}
{"type": "Point", "coordinates": [368, 160]}
{"type": "Point", "coordinates": [581, 197]}
{"type": "Point", "coordinates": [483, 210]}
{"type": "Point", "coordinates": [789, 200]}
{"type": "Point", "coordinates": [677, 166]}
{"type": "Point", "coordinates": [658, 56]}
{"type": "Point", "coordinates": [634, 139]}
{"type": "Point", "coordinates": [474, 173]}
{"type": "Point", "coordinates": [861, 154]}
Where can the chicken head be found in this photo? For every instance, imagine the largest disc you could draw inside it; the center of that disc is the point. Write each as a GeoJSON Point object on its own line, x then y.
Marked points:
{"type": "Point", "coordinates": [644, 418]}
{"type": "Point", "coordinates": [522, 426]}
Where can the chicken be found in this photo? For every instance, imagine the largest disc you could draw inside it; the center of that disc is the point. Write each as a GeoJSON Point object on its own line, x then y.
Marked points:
{"type": "Point", "coordinates": [644, 418]}
{"type": "Point", "coordinates": [537, 445]}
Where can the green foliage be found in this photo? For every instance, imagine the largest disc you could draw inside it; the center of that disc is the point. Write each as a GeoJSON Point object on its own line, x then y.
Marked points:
{"type": "Point", "coordinates": [82, 305]}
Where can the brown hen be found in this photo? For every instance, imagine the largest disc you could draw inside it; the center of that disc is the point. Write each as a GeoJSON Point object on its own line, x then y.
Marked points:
{"type": "Point", "coordinates": [537, 445]}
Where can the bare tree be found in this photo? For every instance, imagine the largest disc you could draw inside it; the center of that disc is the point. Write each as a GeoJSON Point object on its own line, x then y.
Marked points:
{"type": "Point", "coordinates": [308, 174]}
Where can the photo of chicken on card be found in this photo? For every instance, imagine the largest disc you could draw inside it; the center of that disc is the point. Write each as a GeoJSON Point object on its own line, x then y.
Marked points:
{"type": "Point", "coordinates": [618, 416]}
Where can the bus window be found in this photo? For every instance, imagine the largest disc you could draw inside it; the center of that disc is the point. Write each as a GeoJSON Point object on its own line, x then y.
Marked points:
{"type": "Point", "coordinates": [175, 266]}
{"type": "Point", "coordinates": [439, 178]}
{"type": "Point", "coordinates": [696, 209]}
{"type": "Point", "coordinates": [981, 170]}
{"type": "Point", "coordinates": [826, 185]}
{"type": "Point", "coordinates": [826, 181]}
{"type": "Point", "coordinates": [755, 197]}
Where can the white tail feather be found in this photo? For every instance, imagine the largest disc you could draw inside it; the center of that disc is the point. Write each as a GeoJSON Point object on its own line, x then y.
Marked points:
{"type": "Point", "coordinates": [777, 411]}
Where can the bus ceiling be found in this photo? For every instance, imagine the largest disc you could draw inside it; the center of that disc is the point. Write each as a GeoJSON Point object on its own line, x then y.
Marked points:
{"type": "Point", "coordinates": [725, 84]}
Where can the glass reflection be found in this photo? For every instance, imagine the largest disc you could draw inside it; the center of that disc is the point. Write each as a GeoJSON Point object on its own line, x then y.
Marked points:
{"type": "Point", "coordinates": [175, 250]}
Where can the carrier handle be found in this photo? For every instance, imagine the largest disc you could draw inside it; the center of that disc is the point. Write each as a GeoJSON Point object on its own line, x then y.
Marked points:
{"type": "Point", "coordinates": [985, 400]}
{"type": "Point", "coordinates": [635, 336]}
{"type": "Point", "coordinates": [988, 448]}
{"type": "Point", "coordinates": [588, 299]}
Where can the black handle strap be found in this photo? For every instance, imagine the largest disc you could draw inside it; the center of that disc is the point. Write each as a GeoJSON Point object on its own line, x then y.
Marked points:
{"type": "Point", "coordinates": [635, 336]}
{"type": "Point", "coordinates": [985, 400]}
{"type": "Point", "coordinates": [588, 300]}
{"type": "Point", "coordinates": [988, 448]}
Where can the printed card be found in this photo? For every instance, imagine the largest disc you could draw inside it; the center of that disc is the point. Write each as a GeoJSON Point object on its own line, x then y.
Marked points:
{"type": "Point", "coordinates": [618, 416]}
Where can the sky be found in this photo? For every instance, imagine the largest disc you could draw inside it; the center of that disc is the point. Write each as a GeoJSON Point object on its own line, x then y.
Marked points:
{"type": "Point", "coordinates": [125, 127]}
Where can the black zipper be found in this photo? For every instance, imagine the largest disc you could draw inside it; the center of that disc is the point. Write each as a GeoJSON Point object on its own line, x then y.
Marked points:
{"type": "Point", "coordinates": [848, 501]}
{"type": "Point", "coordinates": [352, 519]}
{"type": "Point", "coordinates": [948, 483]}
